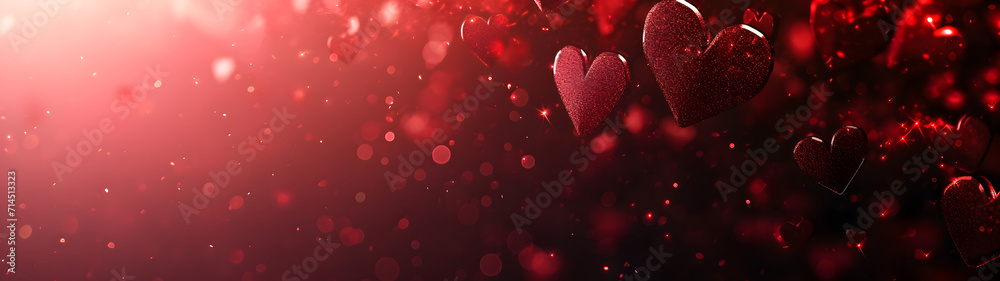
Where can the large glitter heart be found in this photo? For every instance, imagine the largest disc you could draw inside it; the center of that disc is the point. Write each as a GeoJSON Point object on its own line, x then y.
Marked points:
{"type": "Point", "coordinates": [968, 147]}
{"type": "Point", "coordinates": [849, 31]}
{"type": "Point", "coordinates": [972, 215]}
{"type": "Point", "coordinates": [589, 96]}
{"type": "Point", "coordinates": [486, 38]}
{"type": "Point", "coordinates": [702, 78]}
{"type": "Point", "coordinates": [833, 166]}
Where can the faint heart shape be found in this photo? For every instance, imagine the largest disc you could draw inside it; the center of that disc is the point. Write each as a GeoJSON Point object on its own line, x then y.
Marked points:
{"type": "Point", "coordinates": [968, 145]}
{"type": "Point", "coordinates": [702, 78]}
{"type": "Point", "coordinates": [589, 96]}
{"type": "Point", "coordinates": [764, 22]}
{"type": "Point", "coordinates": [486, 38]}
{"type": "Point", "coordinates": [795, 234]}
{"type": "Point", "coordinates": [856, 238]}
{"type": "Point", "coordinates": [833, 166]}
{"type": "Point", "coordinates": [972, 215]}
{"type": "Point", "coordinates": [849, 31]}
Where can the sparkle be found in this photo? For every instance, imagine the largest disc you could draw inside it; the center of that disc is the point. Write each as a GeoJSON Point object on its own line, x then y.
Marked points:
{"type": "Point", "coordinates": [545, 114]}
{"type": "Point", "coordinates": [904, 138]}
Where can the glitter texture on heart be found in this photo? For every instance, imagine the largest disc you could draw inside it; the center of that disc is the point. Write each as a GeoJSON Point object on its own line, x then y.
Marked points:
{"type": "Point", "coordinates": [833, 165]}
{"type": "Point", "coordinates": [702, 78]}
{"type": "Point", "coordinates": [971, 214]}
{"type": "Point", "coordinates": [589, 96]}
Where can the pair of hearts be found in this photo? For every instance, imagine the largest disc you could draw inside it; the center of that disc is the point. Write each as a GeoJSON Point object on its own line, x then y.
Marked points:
{"type": "Point", "coordinates": [700, 78]}
{"type": "Point", "coordinates": [833, 165]}
{"type": "Point", "coordinates": [968, 204]}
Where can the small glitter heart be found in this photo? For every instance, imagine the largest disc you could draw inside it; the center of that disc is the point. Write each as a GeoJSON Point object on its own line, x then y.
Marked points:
{"type": "Point", "coordinates": [761, 21]}
{"type": "Point", "coordinates": [486, 38]}
{"type": "Point", "coordinates": [589, 96]}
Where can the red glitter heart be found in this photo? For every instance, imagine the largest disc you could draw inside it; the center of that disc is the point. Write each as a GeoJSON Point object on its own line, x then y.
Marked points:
{"type": "Point", "coordinates": [849, 31]}
{"type": "Point", "coordinates": [589, 96]}
{"type": "Point", "coordinates": [764, 22]}
{"type": "Point", "coordinates": [795, 234]}
{"type": "Point", "coordinates": [833, 166]}
{"type": "Point", "coordinates": [970, 145]}
{"type": "Point", "coordinates": [486, 38]}
{"type": "Point", "coordinates": [701, 79]}
{"type": "Point", "coordinates": [973, 219]}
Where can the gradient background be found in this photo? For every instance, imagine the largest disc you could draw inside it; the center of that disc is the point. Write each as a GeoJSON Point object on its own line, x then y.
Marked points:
{"type": "Point", "coordinates": [231, 64]}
